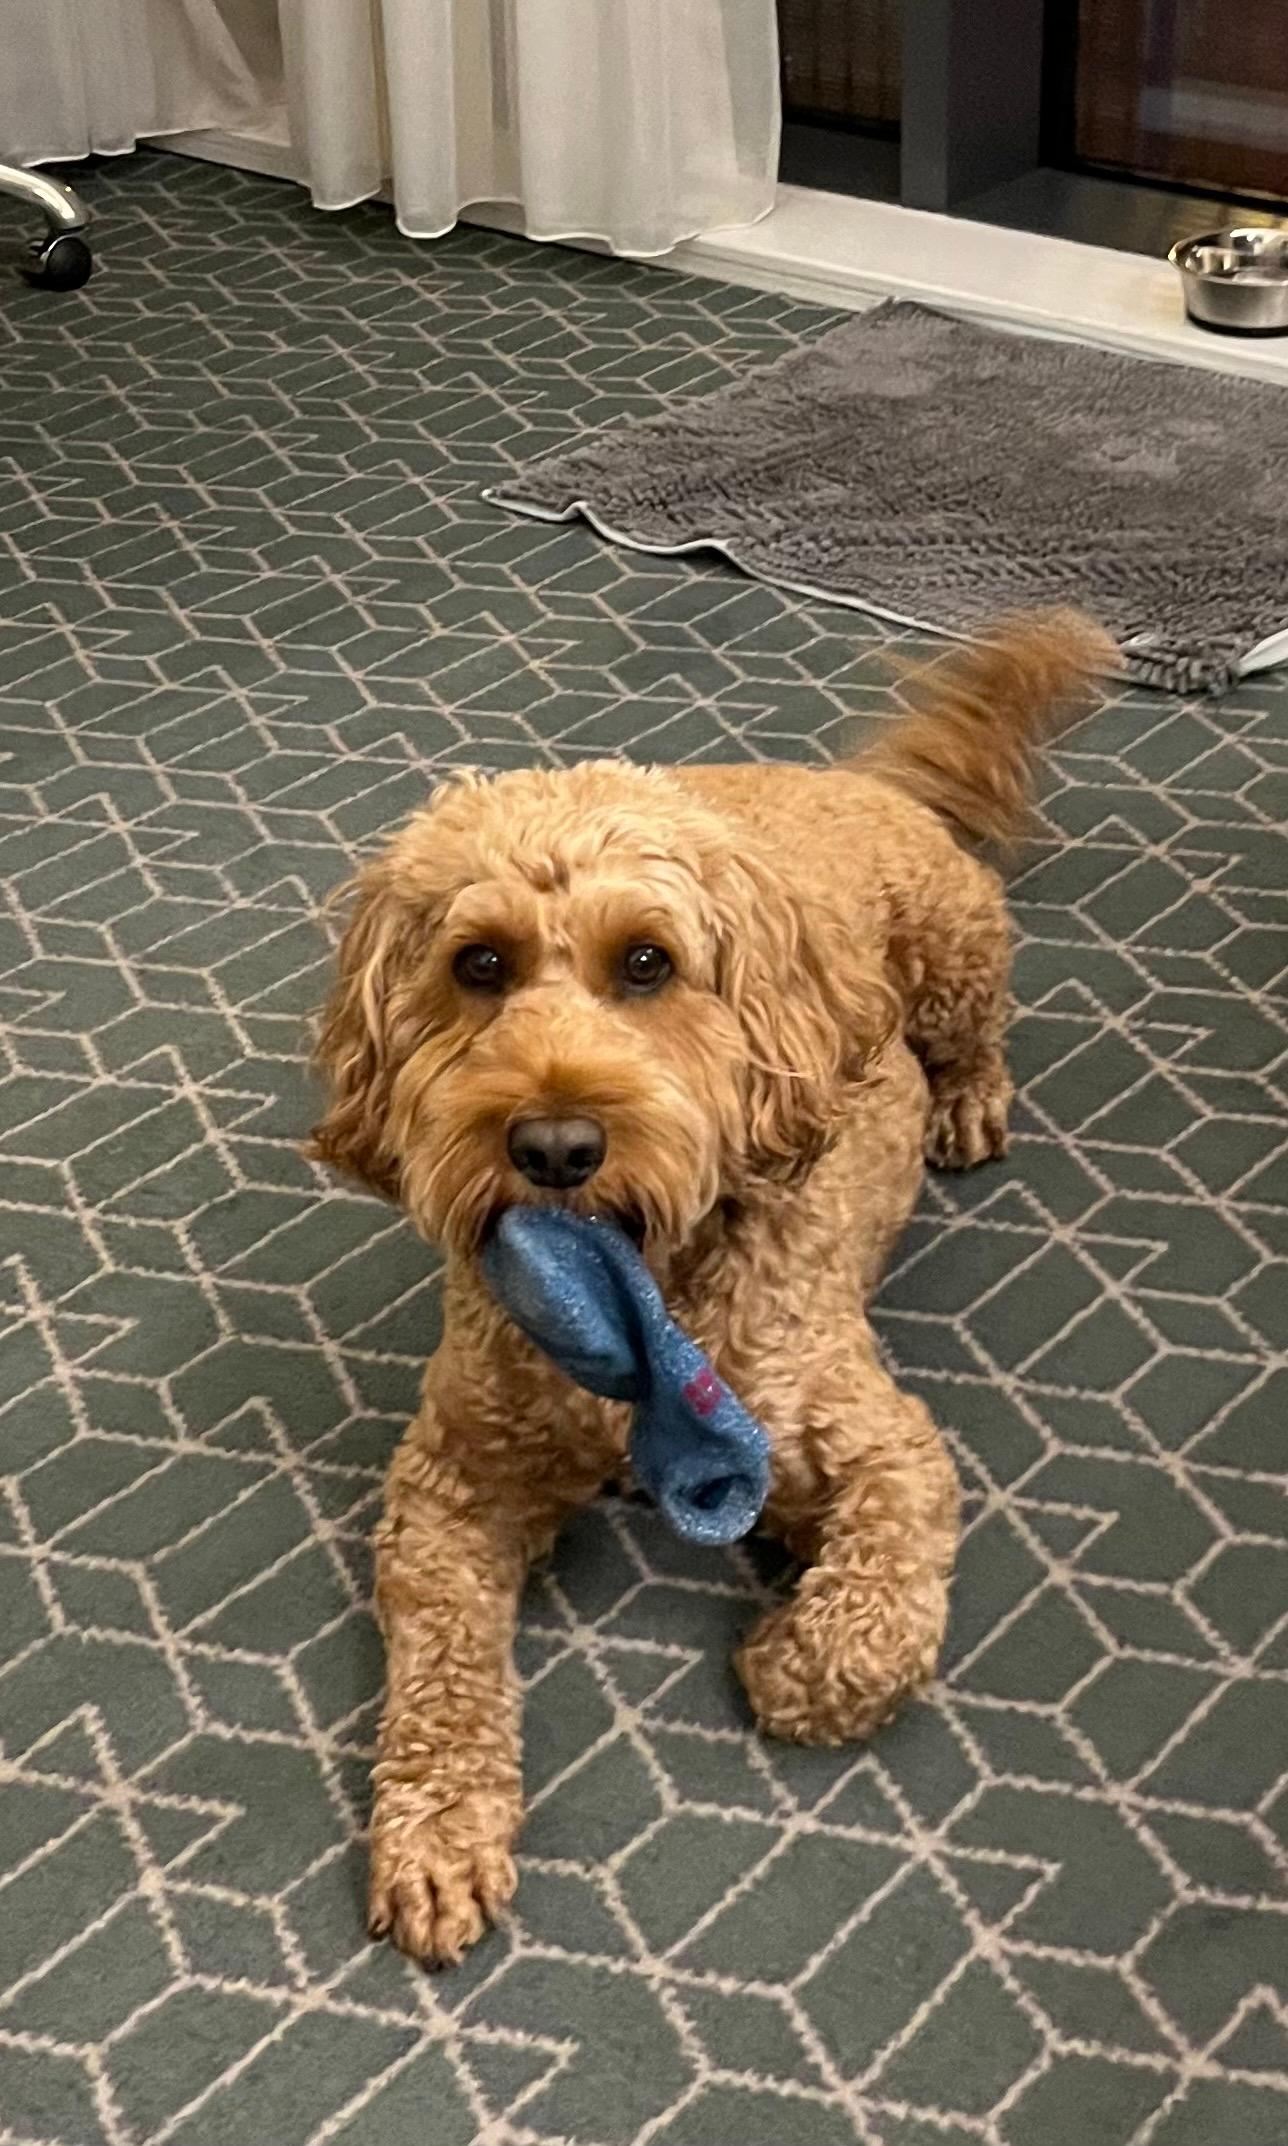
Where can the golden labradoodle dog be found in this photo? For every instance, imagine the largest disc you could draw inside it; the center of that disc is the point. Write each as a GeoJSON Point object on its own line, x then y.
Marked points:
{"type": "Point", "coordinates": [733, 1007]}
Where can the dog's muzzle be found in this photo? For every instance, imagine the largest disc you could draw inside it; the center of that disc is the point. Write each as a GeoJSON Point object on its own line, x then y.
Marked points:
{"type": "Point", "coordinates": [557, 1154]}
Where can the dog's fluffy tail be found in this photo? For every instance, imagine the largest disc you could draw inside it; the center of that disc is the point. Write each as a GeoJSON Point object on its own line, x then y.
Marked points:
{"type": "Point", "coordinates": [978, 717]}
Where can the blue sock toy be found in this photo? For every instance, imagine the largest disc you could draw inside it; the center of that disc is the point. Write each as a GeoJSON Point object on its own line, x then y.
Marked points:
{"type": "Point", "coordinates": [579, 1289]}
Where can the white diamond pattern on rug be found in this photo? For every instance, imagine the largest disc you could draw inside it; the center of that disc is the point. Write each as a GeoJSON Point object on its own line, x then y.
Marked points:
{"type": "Point", "coordinates": [251, 604]}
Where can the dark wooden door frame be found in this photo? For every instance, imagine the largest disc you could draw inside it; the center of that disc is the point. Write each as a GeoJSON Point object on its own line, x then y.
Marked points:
{"type": "Point", "coordinates": [987, 132]}
{"type": "Point", "coordinates": [972, 97]}
{"type": "Point", "coordinates": [972, 114]}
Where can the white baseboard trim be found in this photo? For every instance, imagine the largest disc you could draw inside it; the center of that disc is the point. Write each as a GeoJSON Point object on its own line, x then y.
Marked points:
{"type": "Point", "coordinates": [844, 252]}
{"type": "Point", "coordinates": [832, 250]}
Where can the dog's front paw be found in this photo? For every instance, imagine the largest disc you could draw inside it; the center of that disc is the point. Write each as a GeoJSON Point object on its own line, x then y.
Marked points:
{"type": "Point", "coordinates": [438, 1880]}
{"type": "Point", "coordinates": [831, 1668]}
{"type": "Point", "coordinates": [968, 1117]}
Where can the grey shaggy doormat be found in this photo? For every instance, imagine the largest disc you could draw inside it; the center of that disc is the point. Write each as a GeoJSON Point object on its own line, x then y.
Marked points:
{"type": "Point", "coordinates": [938, 473]}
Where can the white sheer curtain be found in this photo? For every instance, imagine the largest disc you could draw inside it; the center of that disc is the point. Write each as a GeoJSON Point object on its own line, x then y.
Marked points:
{"type": "Point", "coordinates": [82, 76]}
{"type": "Point", "coordinates": [639, 122]}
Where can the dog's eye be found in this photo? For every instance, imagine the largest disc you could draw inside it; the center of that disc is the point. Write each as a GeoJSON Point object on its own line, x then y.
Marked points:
{"type": "Point", "coordinates": [645, 967]}
{"type": "Point", "coordinates": [479, 968]}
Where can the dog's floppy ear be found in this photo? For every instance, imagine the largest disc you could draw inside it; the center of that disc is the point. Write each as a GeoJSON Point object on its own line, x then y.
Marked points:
{"type": "Point", "coordinates": [378, 1014]}
{"type": "Point", "coordinates": [812, 1015]}
{"type": "Point", "coordinates": [368, 1029]}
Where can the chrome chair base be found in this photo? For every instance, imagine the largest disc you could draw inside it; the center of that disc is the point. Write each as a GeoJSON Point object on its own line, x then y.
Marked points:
{"type": "Point", "coordinates": [63, 260]}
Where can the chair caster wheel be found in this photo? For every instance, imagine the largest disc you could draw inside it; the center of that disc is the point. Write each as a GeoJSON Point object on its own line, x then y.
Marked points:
{"type": "Point", "coordinates": [63, 263]}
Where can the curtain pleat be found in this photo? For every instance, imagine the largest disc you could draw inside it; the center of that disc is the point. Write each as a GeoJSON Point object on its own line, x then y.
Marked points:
{"type": "Point", "coordinates": [639, 122]}
{"type": "Point", "coordinates": [95, 76]}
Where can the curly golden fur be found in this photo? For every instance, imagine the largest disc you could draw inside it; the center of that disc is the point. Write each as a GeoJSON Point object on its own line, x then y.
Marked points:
{"type": "Point", "coordinates": [834, 1011]}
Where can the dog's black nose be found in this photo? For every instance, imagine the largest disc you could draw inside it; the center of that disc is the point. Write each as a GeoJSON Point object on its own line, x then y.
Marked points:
{"type": "Point", "coordinates": [557, 1152]}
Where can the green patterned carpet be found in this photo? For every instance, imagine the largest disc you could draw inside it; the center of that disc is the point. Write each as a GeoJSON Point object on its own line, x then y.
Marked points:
{"type": "Point", "coordinates": [250, 603]}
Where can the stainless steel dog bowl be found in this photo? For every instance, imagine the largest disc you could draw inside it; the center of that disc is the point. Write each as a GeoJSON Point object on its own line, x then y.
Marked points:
{"type": "Point", "coordinates": [1236, 280]}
